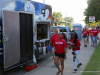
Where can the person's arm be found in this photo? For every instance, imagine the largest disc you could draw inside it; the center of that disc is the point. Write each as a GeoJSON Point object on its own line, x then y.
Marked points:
{"type": "Point", "coordinates": [65, 49]}
{"type": "Point", "coordinates": [75, 47]}
{"type": "Point", "coordinates": [54, 50]}
{"type": "Point", "coordinates": [65, 52]}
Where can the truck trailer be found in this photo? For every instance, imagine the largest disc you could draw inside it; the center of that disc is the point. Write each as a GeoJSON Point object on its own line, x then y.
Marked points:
{"type": "Point", "coordinates": [25, 32]}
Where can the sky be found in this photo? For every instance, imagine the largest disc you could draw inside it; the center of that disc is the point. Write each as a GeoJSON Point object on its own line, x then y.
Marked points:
{"type": "Point", "coordinates": [69, 8]}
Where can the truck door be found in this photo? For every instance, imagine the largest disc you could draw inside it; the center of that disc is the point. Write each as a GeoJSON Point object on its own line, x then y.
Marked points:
{"type": "Point", "coordinates": [11, 37]}
{"type": "Point", "coordinates": [26, 37]}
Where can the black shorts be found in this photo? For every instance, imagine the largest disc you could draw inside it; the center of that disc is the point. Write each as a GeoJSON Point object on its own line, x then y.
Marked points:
{"type": "Point", "coordinates": [62, 55]}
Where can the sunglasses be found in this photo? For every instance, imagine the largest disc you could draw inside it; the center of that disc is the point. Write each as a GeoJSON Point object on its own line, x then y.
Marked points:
{"type": "Point", "coordinates": [72, 34]}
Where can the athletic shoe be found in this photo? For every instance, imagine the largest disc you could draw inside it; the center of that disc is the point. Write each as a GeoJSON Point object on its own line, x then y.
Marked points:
{"type": "Point", "coordinates": [75, 70]}
{"type": "Point", "coordinates": [53, 65]}
{"type": "Point", "coordinates": [79, 65]}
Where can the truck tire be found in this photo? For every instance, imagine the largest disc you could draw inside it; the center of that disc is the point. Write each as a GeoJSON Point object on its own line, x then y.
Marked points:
{"type": "Point", "coordinates": [1, 70]}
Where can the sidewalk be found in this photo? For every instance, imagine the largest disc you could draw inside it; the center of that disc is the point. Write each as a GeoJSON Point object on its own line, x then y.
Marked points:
{"type": "Point", "coordinates": [84, 57]}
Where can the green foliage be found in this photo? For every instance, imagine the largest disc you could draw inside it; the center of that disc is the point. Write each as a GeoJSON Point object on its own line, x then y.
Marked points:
{"type": "Point", "coordinates": [59, 17]}
{"type": "Point", "coordinates": [94, 63]}
{"type": "Point", "coordinates": [70, 21]}
{"type": "Point", "coordinates": [93, 9]}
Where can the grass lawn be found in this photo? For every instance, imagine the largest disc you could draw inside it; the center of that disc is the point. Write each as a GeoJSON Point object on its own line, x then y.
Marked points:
{"type": "Point", "coordinates": [94, 63]}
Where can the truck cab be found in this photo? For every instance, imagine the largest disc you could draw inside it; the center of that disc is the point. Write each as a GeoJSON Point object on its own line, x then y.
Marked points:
{"type": "Point", "coordinates": [65, 29]}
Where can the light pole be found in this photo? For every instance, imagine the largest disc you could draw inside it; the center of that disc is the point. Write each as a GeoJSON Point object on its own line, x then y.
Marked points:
{"type": "Point", "coordinates": [66, 20]}
{"type": "Point", "coordinates": [44, 1]}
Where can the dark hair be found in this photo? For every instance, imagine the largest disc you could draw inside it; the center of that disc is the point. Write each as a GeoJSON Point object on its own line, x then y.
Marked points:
{"type": "Point", "coordinates": [75, 37]}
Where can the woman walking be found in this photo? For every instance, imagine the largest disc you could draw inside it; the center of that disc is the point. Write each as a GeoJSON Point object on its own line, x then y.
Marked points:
{"type": "Point", "coordinates": [91, 36]}
{"type": "Point", "coordinates": [60, 53]}
{"type": "Point", "coordinates": [88, 35]}
{"type": "Point", "coordinates": [84, 32]}
{"type": "Point", "coordinates": [53, 38]}
{"type": "Point", "coordinates": [95, 36]}
{"type": "Point", "coordinates": [75, 46]}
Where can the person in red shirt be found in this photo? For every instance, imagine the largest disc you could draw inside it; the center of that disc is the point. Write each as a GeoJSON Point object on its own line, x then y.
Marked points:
{"type": "Point", "coordinates": [88, 35]}
{"type": "Point", "coordinates": [95, 34]}
{"type": "Point", "coordinates": [64, 35]}
{"type": "Point", "coordinates": [75, 46]}
{"type": "Point", "coordinates": [91, 36]}
{"type": "Point", "coordinates": [54, 37]}
{"type": "Point", "coordinates": [98, 31]}
{"type": "Point", "coordinates": [85, 33]}
{"type": "Point", "coordinates": [60, 53]}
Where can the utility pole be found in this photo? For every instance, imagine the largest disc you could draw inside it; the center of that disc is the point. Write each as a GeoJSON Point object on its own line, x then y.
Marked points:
{"type": "Point", "coordinates": [66, 19]}
{"type": "Point", "coordinates": [44, 1]}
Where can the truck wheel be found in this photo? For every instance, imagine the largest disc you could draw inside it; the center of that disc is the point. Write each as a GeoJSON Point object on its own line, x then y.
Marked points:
{"type": "Point", "coordinates": [1, 70]}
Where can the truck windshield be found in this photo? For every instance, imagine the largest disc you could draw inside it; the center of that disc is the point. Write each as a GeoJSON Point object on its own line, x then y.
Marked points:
{"type": "Point", "coordinates": [63, 28]}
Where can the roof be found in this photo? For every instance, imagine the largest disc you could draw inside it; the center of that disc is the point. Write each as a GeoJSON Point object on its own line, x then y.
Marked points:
{"type": "Point", "coordinates": [77, 24]}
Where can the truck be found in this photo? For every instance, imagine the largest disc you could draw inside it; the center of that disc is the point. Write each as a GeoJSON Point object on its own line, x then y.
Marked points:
{"type": "Point", "coordinates": [25, 32]}
{"type": "Point", "coordinates": [65, 30]}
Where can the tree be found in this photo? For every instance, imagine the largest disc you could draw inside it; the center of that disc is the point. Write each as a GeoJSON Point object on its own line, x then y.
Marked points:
{"type": "Point", "coordinates": [57, 15]}
{"type": "Point", "coordinates": [93, 9]}
{"type": "Point", "coordinates": [70, 21]}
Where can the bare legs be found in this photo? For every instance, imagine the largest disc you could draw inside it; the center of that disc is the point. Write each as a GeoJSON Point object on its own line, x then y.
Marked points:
{"type": "Point", "coordinates": [62, 64]}
{"type": "Point", "coordinates": [85, 41]}
{"type": "Point", "coordinates": [91, 41]}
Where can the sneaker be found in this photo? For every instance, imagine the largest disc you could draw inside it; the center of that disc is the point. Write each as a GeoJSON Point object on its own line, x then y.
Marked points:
{"type": "Point", "coordinates": [74, 70]}
{"type": "Point", "coordinates": [79, 65]}
{"type": "Point", "coordinates": [85, 45]}
{"type": "Point", "coordinates": [59, 63]}
{"type": "Point", "coordinates": [53, 65]}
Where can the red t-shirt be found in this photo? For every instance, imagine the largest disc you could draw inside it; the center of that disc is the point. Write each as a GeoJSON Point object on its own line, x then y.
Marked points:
{"type": "Point", "coordinates": [91, 32]}
{"type": "Point", "coordinates": [84, 33]}
{"type": "Point", "coordinates": [75, 45]}
{"type": "Point", "coordinates": [63, 37]}
{"type": "Point", "coordinates": [95, 32]}
{"type": "Point", "coordinates": [88, 32]}
{"type": "Point", "coordinates": [53, 38]}
{"type": "Point", "coordinates": [60, 45]}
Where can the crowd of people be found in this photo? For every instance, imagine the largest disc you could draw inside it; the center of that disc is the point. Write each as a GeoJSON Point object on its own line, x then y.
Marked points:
{"type": "Point", "coordinates": [60, 46]}
{"type": "Point", "coordinates": [92, 33]}
{"type": "Point", "coordinates": [60, 49]}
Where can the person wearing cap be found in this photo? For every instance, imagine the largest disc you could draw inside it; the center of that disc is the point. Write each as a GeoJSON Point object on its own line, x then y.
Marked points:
{"type": "Point", "coordinates": [54, 37]}
{"type": "Point", "coordinates": [60, 52]}
{"type": "Point", "coordinates": [75, 46]}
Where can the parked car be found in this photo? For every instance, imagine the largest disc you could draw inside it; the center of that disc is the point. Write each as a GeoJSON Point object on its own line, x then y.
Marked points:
{"type": "Point", "coordinates": [65, 29]}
